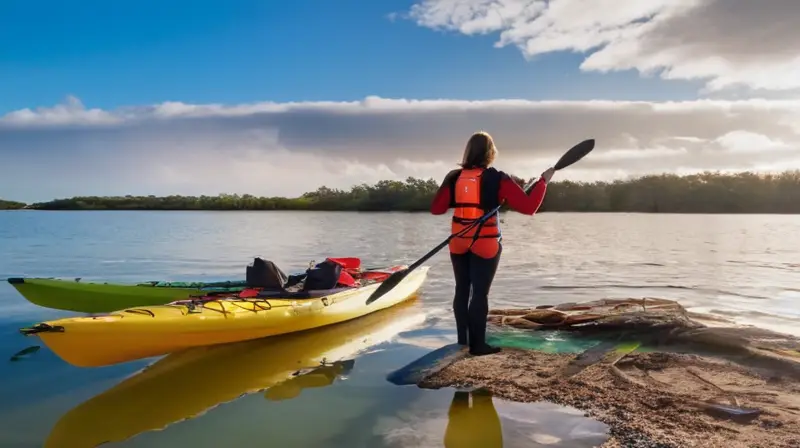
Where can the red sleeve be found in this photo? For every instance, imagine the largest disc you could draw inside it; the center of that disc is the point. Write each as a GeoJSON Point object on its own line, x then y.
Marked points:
{"type": "Point", "coordinates": [516, 198]}
{"type": "Point", "coordinates": [441, 202]}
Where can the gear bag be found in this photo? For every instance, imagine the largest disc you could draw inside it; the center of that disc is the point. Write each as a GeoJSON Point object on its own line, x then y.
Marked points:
{"type": "Point", "coordinates": [265, 274]}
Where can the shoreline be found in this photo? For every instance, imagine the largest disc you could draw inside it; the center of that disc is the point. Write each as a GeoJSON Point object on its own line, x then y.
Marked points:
{"type": "Point", "coordinates": [700, 193]}
{"type": "Point", "coordinates": [659, 401]}
{"type": "Point", "coordinates": [658, 376]}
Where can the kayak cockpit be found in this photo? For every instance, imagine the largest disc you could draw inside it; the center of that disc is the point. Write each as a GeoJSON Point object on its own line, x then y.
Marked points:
{"type": "Point", "coordinates": [265, 280]}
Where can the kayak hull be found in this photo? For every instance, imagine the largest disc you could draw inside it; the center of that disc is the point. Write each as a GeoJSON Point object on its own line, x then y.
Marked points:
{"type": "Point", "coordinates": [177, 387]}
{"type": "Point", "coordinates": [85, 297]}
{"type": "Point", "coordinates": [143, 332]}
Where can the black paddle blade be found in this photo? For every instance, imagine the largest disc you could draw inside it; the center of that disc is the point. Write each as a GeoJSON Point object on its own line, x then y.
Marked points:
{"type": "Point", "coordinates": [574, 154]}
{"type": "Point", "coordinates": [387, 285]}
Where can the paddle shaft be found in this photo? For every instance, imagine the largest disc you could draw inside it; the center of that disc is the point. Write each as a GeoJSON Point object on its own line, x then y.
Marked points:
{"type": "Point", "coordinates": [397, 277]}
{"type": "Point", "coordinates": [461, 232]}
{"type": "Point", "coordinates": [574, 154]}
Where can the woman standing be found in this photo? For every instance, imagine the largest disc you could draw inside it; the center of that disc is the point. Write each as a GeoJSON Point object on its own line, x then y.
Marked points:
{"type": "Point", "coordinates": [472, 191]}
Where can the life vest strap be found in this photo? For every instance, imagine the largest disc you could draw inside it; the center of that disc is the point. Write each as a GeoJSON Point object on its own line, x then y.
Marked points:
{"type": "Point", "coordinates": [493, 235]}
{"type": "Point", "coordinates": [466, 222]}
{"type": "Point", "coordinates": [467, 205]}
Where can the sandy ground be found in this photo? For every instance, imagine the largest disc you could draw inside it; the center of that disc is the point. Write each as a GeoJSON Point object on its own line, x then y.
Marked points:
{"type": "Point", "coordinates": [652, 400]}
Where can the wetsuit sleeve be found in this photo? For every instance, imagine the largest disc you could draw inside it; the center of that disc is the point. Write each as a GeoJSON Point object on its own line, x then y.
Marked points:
{"type": "Point", "coordinates": [515, 197]}
{"type": "Point", "coordinates": [441, 202]}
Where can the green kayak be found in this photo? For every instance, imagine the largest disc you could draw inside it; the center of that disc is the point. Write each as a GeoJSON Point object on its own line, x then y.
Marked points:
{"type": "Point", "coordinates": [86, 297]}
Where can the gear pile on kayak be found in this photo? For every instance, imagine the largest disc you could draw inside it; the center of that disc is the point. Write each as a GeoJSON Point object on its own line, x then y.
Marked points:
{"type": "Point", "coordinates": [267, 303]}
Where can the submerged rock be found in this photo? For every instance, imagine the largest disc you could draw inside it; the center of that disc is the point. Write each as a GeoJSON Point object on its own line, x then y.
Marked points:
{"type": "Point", "coordinates": [660, 323]}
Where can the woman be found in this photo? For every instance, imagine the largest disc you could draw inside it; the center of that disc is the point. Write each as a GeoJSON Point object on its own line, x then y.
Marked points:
{"type": "Point", "coordinates": [472, 191]}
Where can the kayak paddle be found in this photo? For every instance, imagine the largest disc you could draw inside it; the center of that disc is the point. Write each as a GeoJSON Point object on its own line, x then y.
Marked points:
{"type": "Point", "coordinates": [574, 154]}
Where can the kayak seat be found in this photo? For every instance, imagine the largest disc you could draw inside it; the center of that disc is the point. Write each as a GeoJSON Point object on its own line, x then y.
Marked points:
{"type": "Point", "coordinates": [324, 275]}
{"type": "Point", "coordinates": [265, 274]}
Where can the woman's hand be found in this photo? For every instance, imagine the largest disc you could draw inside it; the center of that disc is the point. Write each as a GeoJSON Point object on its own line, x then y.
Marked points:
{"type": "Point", "coordinates": [548, 173]}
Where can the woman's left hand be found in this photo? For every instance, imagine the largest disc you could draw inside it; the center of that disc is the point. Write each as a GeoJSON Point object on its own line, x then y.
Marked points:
{"type": "Point", "coordinates": [548, 173]}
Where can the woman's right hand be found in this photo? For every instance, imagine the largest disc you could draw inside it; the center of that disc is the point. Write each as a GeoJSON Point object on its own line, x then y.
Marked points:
{"type": "Point", "coordinates": [548, 173]}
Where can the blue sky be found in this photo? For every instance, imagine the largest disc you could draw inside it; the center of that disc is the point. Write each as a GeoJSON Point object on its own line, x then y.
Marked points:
{"type": "Point", "coordinates": [155, 97]}
{"type": "Point", "coordinates": [123, 52]}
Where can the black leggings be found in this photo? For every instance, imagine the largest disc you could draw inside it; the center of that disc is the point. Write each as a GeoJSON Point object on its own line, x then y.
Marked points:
{"type": "Point", "coordinates": [472, 273]}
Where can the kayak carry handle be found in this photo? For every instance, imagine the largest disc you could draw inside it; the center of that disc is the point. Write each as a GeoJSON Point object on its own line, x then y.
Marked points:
{"type": "Point", "coordinates": [140, 311]}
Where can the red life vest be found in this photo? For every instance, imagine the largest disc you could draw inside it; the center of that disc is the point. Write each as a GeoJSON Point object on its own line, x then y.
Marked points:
{"type": "Point", "coordinates": [474, 192]}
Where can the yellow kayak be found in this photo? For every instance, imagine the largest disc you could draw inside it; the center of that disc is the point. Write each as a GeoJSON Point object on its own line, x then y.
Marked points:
{"type": "Point", "coordinates": [142, 332]}
{"type": "Point", "coordinates": [184, 385]}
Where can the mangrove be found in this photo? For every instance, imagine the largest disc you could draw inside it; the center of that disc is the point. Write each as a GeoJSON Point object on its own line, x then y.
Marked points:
{"type": "Point", "coordinates": [11, 205]}
{"type": "Point", "coordinates": [709, 192]}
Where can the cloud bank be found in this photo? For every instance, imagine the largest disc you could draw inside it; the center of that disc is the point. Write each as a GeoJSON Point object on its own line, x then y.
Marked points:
{"type": "Point", "coordinates": [290, 148]}
{"type": "Point", "coordinates": [729, 44]}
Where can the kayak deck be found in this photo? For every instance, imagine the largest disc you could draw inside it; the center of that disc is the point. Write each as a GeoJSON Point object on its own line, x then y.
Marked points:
{"type": "Point", "coordinates": [142, 332]}
{"type": "Point", "coordinates": [88, 297]}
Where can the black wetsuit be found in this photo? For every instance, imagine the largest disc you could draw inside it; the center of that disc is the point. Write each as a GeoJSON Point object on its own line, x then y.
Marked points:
{"type": "Point", "coordinates": [474, 275]}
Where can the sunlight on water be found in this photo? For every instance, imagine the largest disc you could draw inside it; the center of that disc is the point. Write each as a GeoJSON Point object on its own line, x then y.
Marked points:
{"type": "Point", "coordinates": [276, 392]}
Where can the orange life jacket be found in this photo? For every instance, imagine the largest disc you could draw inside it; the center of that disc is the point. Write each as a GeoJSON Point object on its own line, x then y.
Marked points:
{"type": "Point", "coordinates": [474, 192]}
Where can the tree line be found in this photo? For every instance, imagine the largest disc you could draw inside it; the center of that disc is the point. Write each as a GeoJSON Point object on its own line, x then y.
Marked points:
{"type": "Point", "coordinates": [11, 205]}
{"type": "Point", "coordinates": [666, 193]}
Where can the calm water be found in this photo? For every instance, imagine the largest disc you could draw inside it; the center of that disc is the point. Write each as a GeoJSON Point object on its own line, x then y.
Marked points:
{"type": "Point", "coordinates": [743, 267]}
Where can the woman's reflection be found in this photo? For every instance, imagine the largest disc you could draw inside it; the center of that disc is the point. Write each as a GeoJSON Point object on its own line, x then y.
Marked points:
{"type": "Point", "coordinates": [473, 426]}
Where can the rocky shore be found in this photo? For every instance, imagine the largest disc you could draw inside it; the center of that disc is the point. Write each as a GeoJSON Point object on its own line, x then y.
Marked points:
{"type": "Point", "coordinates": [654, 399]}
{"type": "Point", "coordinates": [693, 380]}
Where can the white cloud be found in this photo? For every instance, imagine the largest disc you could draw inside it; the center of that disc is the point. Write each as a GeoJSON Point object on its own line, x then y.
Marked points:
{"type": "Point", "coordinates": [290, 148]}
{"type": "Point", "coordinates": [744, 141]}
{"type": "Point", "coordinates": [70, 112]}
{"type": "Point", "coordinates": [728, 43]}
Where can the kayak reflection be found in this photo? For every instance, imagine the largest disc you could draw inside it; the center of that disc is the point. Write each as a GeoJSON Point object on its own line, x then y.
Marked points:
{"type": "Point", "coordinates": [321, 376]}
{"type": "Point", "coordinates": [185, 384]}
{"type": "Point", "coordinates": [475, 424]}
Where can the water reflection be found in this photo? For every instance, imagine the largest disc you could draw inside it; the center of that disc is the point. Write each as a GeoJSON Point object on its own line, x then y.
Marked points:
{"type": "Point", "coordinates": [475, 426]}
{"type": "Point", "coordinates": [183, 385]}
{"type": "Point", "coordinates": [473, 421]}
{"type": "Point", "coordinates": [321, 376]}
{"type": "Point", "coordinates": [477, 419]}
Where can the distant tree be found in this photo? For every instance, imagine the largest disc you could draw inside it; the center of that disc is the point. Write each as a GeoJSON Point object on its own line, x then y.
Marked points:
{"type": "Point", "coordinates": [665, 193]}
{"type": "Point", "coordinates": [11, 205]}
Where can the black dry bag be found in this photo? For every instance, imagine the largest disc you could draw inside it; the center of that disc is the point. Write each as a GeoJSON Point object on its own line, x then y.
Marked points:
{"type": "Point", "coordinates": [325, 275]}
{"type": "Point", "coordinates": [265, 274]}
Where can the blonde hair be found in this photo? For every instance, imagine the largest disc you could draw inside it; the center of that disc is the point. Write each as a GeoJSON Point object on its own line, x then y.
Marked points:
{"type": "Point", "coordinates": [480, 151]}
